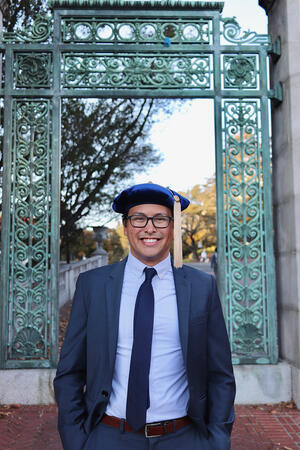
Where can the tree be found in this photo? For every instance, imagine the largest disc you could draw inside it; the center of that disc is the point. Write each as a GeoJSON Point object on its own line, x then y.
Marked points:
{"type": "Point", "coordinates": [103, 145]}
{"type": "Point", "coordinates": [199, 220]}
{"type": "Point", "coordinates": [114, 247]}
{"type": "Point", "coordinates": [82, 244]}
{"type": "Point", "coordinates": [21, 12]}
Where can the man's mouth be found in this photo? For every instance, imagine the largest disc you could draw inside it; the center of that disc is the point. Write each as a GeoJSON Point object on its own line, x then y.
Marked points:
{"type": "Point", "coordinates": [150, 241]}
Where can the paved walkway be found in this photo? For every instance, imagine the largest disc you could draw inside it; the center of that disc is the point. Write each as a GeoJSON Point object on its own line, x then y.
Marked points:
{"type": "Point", "coordinates": [267, 427]}
{"type": "Point", "coordinates": [205, 266]}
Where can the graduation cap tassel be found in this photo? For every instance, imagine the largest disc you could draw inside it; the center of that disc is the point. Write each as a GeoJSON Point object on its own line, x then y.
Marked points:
{"type": "Point", "coordinates": [177, 232]}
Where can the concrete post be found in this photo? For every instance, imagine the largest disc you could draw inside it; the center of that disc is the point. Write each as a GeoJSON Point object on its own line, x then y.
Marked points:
{"type": "Point", "coordinates": [284, 19]}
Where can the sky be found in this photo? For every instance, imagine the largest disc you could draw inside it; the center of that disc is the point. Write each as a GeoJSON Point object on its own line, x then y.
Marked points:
{"type": "Point", "coordinates": [186, 138]}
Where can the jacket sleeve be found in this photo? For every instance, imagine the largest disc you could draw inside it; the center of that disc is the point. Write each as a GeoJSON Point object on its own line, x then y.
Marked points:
{"type": "Point", "coordinates": [70, 377]}
{"type": "Point", "coordinates": [221, 383]}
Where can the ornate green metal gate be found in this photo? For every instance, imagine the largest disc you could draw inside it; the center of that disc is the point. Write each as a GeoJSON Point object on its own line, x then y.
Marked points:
{"type": "Point", "coordinates": [118, 48]}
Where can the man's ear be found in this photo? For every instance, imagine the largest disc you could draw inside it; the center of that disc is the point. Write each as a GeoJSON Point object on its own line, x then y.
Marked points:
{"type": "Point", "coordinates": [124, 222]}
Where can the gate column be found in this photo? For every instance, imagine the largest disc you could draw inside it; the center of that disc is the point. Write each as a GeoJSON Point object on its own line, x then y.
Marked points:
{"type": "Point", "coordinates": [284, 18]}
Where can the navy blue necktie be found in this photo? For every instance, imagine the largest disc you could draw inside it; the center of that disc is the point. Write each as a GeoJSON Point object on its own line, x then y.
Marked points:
{"type": "Point", "coordinates": [138, 384]}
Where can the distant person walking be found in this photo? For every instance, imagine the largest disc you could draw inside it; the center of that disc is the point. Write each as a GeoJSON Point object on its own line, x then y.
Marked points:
{"type": "Point", "coordinates": [203, 256]}
{"type": "Point", "coordinates": [214, 261]}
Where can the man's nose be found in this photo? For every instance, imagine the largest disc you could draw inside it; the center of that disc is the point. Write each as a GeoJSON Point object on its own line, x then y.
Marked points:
{"type": "Point", "coordinates": [150, 228]}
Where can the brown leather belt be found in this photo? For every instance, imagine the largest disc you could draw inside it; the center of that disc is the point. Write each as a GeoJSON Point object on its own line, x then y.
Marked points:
{"type": "Point", "coordinates": [154, 429]}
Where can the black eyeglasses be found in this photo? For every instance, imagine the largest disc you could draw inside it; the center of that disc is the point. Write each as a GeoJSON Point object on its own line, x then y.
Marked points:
{"type": "Point", "coordinates": [158, 221]}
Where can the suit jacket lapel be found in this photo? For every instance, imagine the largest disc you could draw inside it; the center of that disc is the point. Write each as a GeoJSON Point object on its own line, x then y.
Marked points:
{"type": "Point", "coordinates": [183, 293]}
{"type": "Point", "coordinates": [113, 299]}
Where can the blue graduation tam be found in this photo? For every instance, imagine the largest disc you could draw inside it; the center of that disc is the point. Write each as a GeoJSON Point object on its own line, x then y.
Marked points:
{"type": "Point", "coordinates": [147, 193]}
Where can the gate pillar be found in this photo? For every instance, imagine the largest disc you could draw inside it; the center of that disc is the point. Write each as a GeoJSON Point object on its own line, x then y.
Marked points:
{"type": "Point", "coordinates": [286, 181]}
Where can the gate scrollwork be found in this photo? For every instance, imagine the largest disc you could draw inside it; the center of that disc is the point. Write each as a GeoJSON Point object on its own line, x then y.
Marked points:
{"type": "Point", "coordinates": [33, 70]}
{"type": "Point", "coordinates": [39, 31]}
{"type": "Point", "coordinates": [130, 71]}
{"type": "Point", "coordinates": [29, 256]}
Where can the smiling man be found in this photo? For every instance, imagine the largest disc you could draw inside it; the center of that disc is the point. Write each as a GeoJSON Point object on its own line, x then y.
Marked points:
{"type": "Point", "coordinates": [149, 229]}
{"type": "Point", "coordinates": [146, 361]}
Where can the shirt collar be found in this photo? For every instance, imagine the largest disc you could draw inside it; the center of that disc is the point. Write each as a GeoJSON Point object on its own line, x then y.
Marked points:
{"type": "Point", "coordinates": [137, 267]}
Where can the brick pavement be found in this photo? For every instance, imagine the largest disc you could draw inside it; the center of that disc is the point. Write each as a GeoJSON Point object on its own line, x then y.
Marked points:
{"type": "Point", "coordinates": [265, 427]}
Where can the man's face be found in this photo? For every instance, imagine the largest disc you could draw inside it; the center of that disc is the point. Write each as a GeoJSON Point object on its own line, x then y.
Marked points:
{"type": "Point", "coordinates": [149, 244]}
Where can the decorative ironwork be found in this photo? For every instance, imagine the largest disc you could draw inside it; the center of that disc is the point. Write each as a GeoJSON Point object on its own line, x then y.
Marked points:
{"type": "Point", "coordinates": [244, 208]}
{"type": "Point", "coordinates": [28, 342]}
{"type": "Point", "coordinates": [122, 48]}
{"type": "Point", "coordinates": [33, 70]}
{"type": "Point", "coordinates": [233, 33]}
{"type": "Point", "coordinates": [157, 4]}
{"type": "Point", "coordinates": [240, 71]}
{"type": "Point", "coordinates": [30, 233]}
{"type": "Point", "coordinates": [135, 31]}
{"type": "Point", "coordinates": [130, 71]}
{"type": "Point", "coordinates": [39, 31]}
{"type": "Point", "coordinates": [276, 94]}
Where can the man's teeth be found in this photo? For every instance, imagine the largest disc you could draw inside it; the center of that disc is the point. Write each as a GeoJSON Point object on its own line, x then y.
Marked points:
{"type": "Point", "coordinates": [150, 240]}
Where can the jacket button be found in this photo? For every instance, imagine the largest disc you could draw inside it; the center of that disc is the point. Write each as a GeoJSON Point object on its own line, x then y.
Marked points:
{"type": "Point", "coordinates": [104, 393]}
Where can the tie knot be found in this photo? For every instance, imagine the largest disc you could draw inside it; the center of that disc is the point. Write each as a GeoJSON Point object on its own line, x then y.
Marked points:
{"type": "Point", "coordinates": [149, 273]}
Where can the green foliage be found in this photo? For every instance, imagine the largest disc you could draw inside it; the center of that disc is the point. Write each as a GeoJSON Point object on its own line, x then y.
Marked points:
{"type": "Point", "coordinates": [113, 246]}
{"type": "Point", "coordinates": [199, 220]}
{"type": "Point", "coordinates": [116, 244]}
{"type": "Point", "coordinates": [81, 244]}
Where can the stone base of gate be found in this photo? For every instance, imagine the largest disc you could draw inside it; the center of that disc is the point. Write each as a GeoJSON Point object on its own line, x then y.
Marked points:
{"type": "Point", "coordinates": [27, 386]}
{"type": "Point", "coordinates": [258, 384]}
{"type": "Point", "coordinates": [255, 385]}
{"type": "Point", "coordinates": [296, 385]}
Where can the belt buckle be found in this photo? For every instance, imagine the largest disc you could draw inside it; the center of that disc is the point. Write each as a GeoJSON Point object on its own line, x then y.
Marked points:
{"type": "Point", "coordinates": [154, 424]}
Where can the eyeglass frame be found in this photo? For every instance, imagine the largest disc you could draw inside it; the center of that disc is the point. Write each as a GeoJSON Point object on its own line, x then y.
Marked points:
{"type": "Point", "coordinates": [149, 218]}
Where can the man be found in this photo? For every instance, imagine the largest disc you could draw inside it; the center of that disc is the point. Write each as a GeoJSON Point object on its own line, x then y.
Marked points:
{"type": "Point", "coordinates": [146, 361]}
{"type": "Point", "coordinates": [214, 261]}
{"type": "Point", "coordinates": [203, 256]}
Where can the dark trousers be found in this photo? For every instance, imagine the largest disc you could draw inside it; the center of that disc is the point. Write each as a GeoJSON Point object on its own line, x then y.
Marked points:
{"type": "Point", "coordinates": [105, 437]}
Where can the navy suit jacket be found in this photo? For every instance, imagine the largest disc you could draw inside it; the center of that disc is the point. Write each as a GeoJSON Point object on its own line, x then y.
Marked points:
{"type": "Point", "coordinates": [83, 381]}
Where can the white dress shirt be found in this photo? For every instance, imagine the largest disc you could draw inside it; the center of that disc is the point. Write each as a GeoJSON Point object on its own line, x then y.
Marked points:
{"type": "Point", "coordinates": [168, 386]}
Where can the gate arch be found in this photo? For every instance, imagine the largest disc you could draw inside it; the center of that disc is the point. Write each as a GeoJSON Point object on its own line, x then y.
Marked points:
{"type": "Point", "coordinates": [150, 48]}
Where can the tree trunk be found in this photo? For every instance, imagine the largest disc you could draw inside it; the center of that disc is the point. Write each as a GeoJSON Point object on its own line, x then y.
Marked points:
{"type": "Point", "coordinates": [67, 247]}
{"type": "Point", "coordinates": [194, 249]}
{"type": "Point", "coordinates": [195, 254]}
